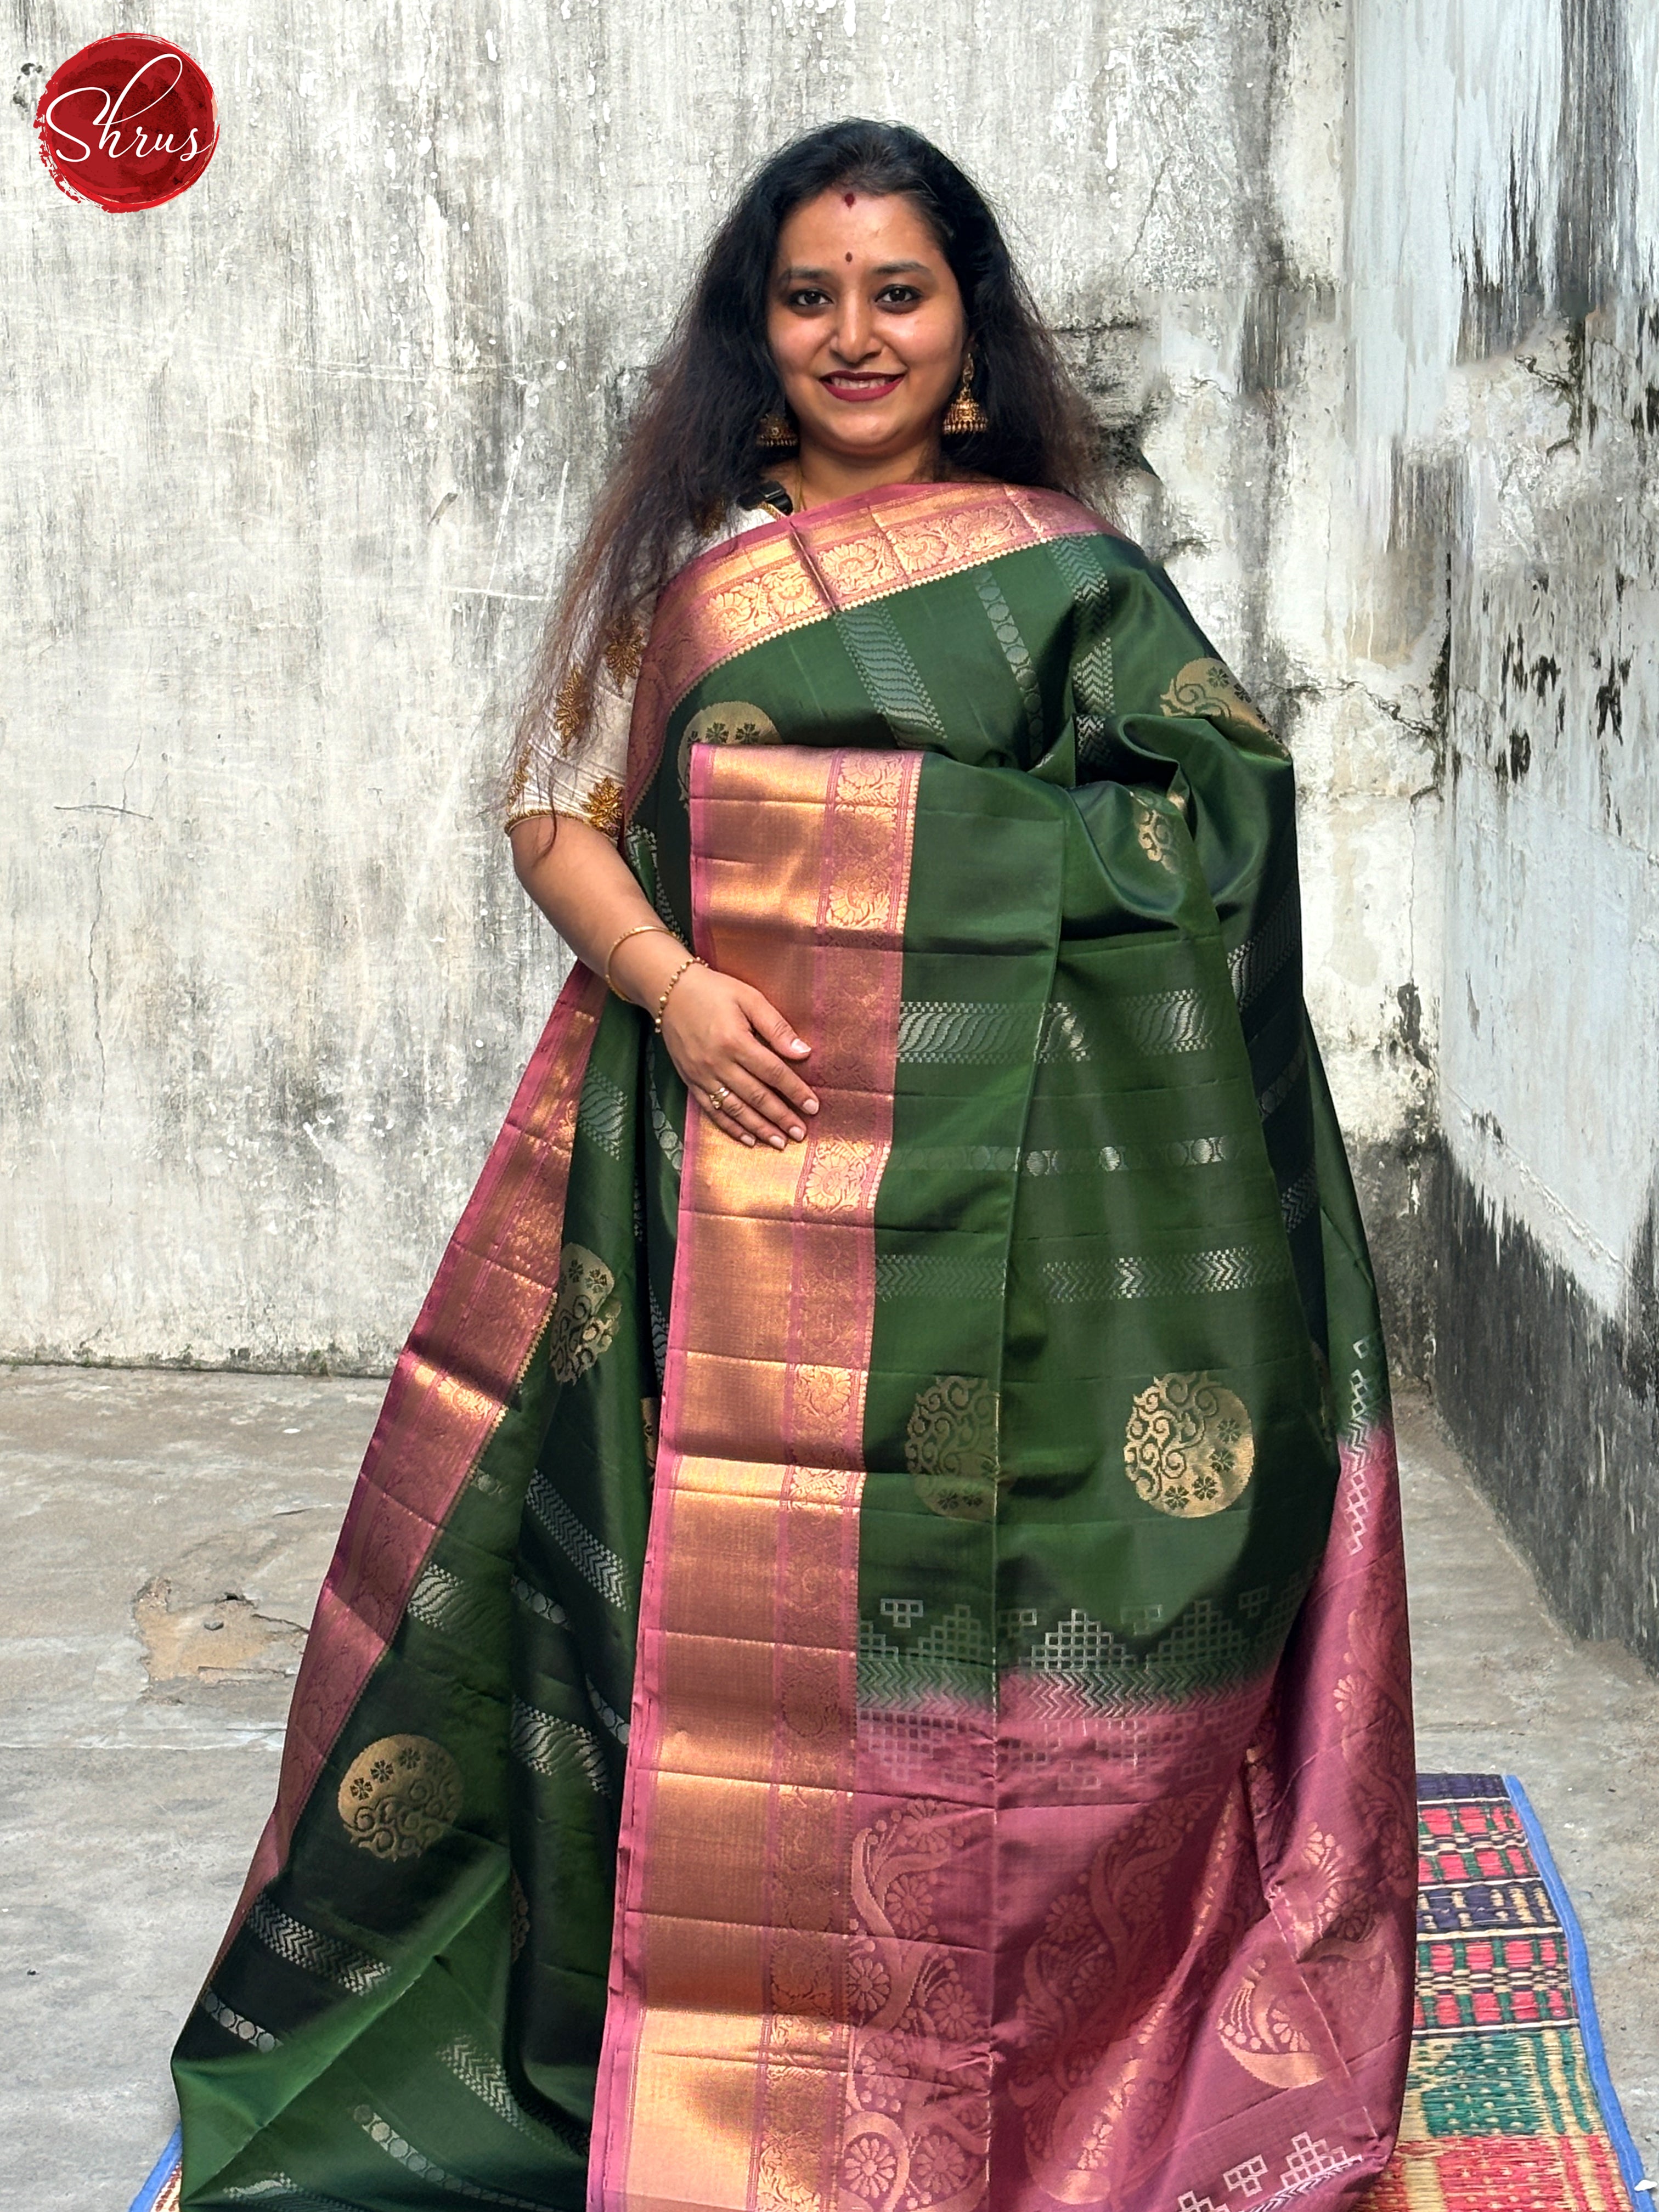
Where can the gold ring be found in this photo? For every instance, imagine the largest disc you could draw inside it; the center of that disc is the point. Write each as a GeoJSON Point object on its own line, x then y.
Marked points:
{"type": "Point", "coordinates": [718, 1098]}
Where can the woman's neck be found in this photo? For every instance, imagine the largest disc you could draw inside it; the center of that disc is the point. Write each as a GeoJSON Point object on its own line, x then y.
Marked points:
{"type": "Point", "coordinates": [817, 476]}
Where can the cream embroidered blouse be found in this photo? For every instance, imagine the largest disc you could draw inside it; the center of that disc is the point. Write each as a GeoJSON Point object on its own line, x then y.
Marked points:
{"type": "Point", "coordinates": [581, 769]}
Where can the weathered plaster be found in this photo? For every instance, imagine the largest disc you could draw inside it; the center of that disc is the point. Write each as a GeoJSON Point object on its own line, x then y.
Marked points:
{"type": "Point", "coordinates": [1505, 186]}
{"type": "Point", "coordinates": [292, 466]}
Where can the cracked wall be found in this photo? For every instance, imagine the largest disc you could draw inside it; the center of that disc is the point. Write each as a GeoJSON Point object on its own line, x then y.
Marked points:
{"type": "Point", "coordinates": [291, 464]}
{"type": "Point", "coordinates": [1503, 224]}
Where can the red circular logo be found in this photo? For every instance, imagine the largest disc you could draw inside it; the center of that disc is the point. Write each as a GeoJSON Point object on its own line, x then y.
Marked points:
{"type": "Point", "coordinates": [127, 122]}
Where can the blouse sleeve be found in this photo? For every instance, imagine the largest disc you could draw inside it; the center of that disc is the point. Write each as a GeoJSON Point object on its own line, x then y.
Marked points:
{"type": "Point", "coordinates": [576, 762]}
{"type": "Point", "coordinates": [585, 777]}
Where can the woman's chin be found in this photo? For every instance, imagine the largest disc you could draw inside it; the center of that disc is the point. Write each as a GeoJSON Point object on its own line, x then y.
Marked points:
{"type": "Point", "coordinates": [861, 442]}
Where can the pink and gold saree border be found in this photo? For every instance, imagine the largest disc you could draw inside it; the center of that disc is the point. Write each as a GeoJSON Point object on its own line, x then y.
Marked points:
{"type": "Point", "coordinates": [806, 568]}
{"type": "Point", "coordinates": [464, 1357]}
{"type": "Point", "coordinates": [722, 2081]}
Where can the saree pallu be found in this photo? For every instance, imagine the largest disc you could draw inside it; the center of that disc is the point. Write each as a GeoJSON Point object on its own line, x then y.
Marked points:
{"type": "Point", "coordinates": [872, 1677]}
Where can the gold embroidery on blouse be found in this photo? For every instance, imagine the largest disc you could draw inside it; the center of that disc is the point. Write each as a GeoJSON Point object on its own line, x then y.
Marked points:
{"type": "Point", "coordinates": [603, 806]}
{"type": "Point", "coordinates": [624, 653]}
{"type": "Point", "coordinates": [571, 704]}
{"type": "Point", "coordinates": [517, 810]}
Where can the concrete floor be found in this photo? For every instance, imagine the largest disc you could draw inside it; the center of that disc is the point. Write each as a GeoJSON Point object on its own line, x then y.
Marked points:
{"type": "Point", "coordinates": [164, 1536]}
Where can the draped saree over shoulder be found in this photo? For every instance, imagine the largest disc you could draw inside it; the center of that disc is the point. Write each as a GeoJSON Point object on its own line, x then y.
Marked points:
{"type": "Point", "coordinates": [872, 1677]}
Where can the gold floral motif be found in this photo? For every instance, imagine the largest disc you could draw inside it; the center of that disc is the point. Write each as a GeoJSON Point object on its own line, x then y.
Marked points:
{"type": "Point", "coordinates": [1270, 2021]}
{"type": "Point", "coordinates": [1154, 833]}
{"type": "Point", "coordinates": [1188, 1448]}
{"type": "Point", "coordinates": [950, 1447]}
{"type": "Point", "coordinates": [399, 1796]}
{"type": "Point", "coordinates": [740, 593]}
{"type": "Point", "coordinates": [1259, 2025]}
{"type": "Point", "coordinates": [824, 1399]}
{"type": "Point", "coordinates": [603, 806]}
{"type": "Point", "coordinates": [624, 652]}
{"type": "Point", "coordinates": [1211, 688]}
{"type": "Point", "coordinates": [727, 722]}
{"type": "Point", "coordinates": [649, 1413]}
{"type": "Point", "coordinates": [837, 1174]}
{"type": "Point", "coordinates": [913, 2134]}
{"type": "Point", "coordinates": [1099, 2060]}
{"type": "Point", "coordinates": [585, 1314]}
{"type": "Point", "coordinates": [571, 703]}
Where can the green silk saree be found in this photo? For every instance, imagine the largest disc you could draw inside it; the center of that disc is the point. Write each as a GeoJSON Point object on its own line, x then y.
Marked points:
{"type": "Point", "coordinates": [872, 1677]}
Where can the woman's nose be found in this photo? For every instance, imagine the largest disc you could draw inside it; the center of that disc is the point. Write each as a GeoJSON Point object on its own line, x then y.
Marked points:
{"type": "Point", "coordinates": [854, 338]}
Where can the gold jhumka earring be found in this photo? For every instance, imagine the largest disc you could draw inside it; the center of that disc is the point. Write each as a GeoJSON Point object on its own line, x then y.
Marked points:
{"type": "Point", "coordinates": [965, 415]}
{"type": "Point", "coordinates": [776, 433]}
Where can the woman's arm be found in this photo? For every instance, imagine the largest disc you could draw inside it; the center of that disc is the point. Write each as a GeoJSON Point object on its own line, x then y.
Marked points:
{"type": "Point", "coordinates": [720, 1034]}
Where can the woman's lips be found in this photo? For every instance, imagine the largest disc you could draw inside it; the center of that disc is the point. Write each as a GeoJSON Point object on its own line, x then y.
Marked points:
{"type": "Point", "coordinates": [857, 388]}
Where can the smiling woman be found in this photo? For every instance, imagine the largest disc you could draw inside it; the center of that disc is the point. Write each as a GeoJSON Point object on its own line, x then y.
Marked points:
{"type": "Point", "coordinates": [866, 1670]}
{"type": "Point", "coordinates": [868, 331]}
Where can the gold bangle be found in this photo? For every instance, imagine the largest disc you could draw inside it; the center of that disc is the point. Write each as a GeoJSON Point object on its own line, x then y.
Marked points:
{"type": "Point", "coordinates": [639, 929]}
{"type": "Point", "coordinates": [694, 961]}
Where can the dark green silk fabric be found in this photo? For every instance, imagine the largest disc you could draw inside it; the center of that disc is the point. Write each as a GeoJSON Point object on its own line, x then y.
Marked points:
{"type": "Point", "coordinates": [1114, 1159]}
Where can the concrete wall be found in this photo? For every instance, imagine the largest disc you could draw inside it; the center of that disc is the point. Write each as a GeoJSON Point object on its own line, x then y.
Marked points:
{"type": "Point", "coordinates": [1504, 223]}
{"type": "Point", "coordinates": [293, 462]}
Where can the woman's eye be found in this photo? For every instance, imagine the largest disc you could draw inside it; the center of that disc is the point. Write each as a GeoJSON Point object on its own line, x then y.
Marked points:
{"type": "Point", "coordinates": [898, 296]}
{"type": "Point", "coordinates": [805, 299]}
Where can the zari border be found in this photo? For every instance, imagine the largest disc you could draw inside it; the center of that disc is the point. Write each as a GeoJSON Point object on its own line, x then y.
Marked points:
{"type": "Point", "coordinates": [807, 567]}
{"type": "Point", "coordinates": [721, 2083]}
{"type": "Point", "coordinates": [464, 1357]}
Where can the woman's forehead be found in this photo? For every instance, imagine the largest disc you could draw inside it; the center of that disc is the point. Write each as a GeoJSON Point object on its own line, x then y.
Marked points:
{"type": "Point", "coordinates": [870, 227]}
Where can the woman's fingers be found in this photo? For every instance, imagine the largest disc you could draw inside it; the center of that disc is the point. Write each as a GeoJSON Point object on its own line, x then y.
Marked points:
{"type": "Point", "coordinates": [760, 1081]}
{"type": "Point", "coordinates": [724, 1121]}
{"type": "Point", "coordinates": [771, 1029]}
{"type": "Point", "coordinates": [762, 1110]}
{"type": "Point", "coordinates": [738, 1119]}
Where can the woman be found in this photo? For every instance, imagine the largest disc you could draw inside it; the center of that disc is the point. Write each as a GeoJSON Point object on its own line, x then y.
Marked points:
{"type": "Point", "coordinates": [977, 1772]}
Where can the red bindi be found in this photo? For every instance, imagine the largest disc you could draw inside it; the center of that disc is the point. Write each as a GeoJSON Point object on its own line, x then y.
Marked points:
{"type": "Point", "coordinates": [849, 256]}
{"type": "Point", "coordinates": [851, 199]}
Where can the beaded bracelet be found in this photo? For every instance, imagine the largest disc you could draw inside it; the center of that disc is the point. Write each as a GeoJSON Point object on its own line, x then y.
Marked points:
{"type": "Point", "coordinates": [639, 929]}
{"type": "Point", "coordinates": [694, 961]}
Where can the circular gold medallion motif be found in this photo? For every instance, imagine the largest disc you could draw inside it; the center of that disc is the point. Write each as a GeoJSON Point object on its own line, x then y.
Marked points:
{"type": "Point", "coordinates": [728, 723]}
{"type": "Point", "coordinates": [1189, 1448]}
{"type": "Point", "coordinates": [399, 1796]}
{"type": "Point", "coordinates": [1210, 687]}
{"type": "Point", "coordinates": [950, 1447]}
{"type": "Point", "coordinates": [585, 1314]}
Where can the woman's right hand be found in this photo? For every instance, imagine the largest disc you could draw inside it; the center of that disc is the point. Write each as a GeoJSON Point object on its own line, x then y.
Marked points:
{"type": "Point", "coordinates": [734, 1050]}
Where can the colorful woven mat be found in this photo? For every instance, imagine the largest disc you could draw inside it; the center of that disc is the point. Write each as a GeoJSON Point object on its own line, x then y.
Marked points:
{"type": "Point", "coordinates": [1509, 2107]}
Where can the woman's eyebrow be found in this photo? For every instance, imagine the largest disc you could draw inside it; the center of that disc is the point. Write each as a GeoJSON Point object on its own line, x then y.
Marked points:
{"type": "Point", "coordinates": [794, 275]}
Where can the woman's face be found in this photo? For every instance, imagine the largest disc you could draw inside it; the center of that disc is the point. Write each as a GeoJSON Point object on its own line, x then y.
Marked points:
{"type": "Point", "coordinates": [865, 325]}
